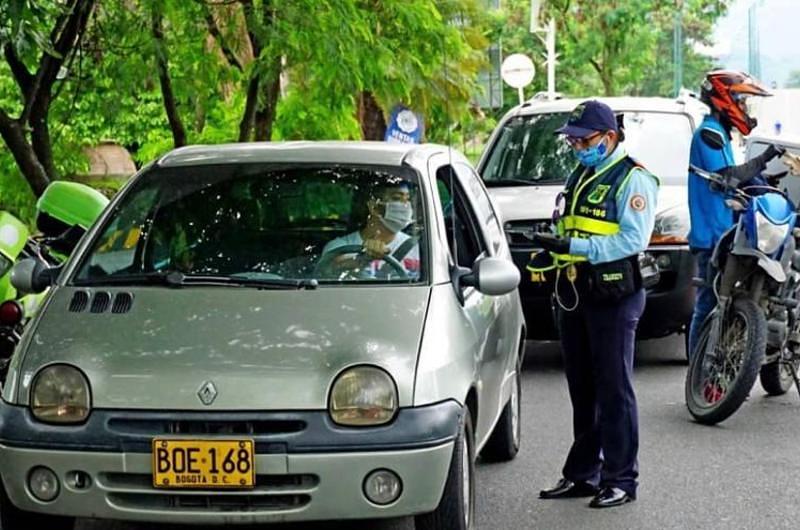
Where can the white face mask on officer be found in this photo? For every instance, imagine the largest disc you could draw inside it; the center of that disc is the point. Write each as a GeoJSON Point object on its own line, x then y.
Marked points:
{"type": "Point", "coordinates": [397, 215]}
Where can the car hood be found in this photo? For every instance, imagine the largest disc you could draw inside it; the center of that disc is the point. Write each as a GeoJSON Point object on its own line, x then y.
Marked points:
{"type": "Point", "coordinates": [262, 349]}
{"type": "Point", "coordinates": [524, 203]}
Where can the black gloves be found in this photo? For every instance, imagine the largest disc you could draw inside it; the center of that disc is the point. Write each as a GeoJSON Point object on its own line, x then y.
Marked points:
{"type": "Point", "coordinates": [553, 243]}
{"type": "Point", "coordinates": [771, 152]}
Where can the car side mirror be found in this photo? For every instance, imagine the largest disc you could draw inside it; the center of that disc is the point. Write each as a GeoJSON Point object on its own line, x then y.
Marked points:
{"type": "Point", "coordinates": [31, 276]}
{"type": "Point", "coordinates": [713, 139]}
{"type": "Point", "coordinates": [492, 276]}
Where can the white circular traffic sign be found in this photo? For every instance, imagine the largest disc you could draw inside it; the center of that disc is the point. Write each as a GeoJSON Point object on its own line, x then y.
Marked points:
{"type": "Point", "coordinates": [517, 70]}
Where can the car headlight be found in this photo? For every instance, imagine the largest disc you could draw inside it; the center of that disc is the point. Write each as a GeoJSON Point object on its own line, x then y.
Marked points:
{"type": "Point", "coordinates": [770, 235]}
{"type": "Point", "coordinates": [672, 227]}
{"type": "Point", "coordinates": [363, 395]}
{"type": "Point", "coordinates": [60, 394]}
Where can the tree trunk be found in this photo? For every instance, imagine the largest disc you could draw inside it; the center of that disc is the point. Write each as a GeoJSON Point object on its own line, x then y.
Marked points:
{"type": "Point", "coordinates": [168, 95]}
{"type": "Point", "coordinates": [14, 136]}
{"type": "Point", "coordinates": [370, 116]}
{"type": "Point", "coordinates": [607, 77]}
{"type": "Point", "coordinates": [40, 136]}
{"type": "Point", "coordinates": [265, 116]}
{"type": "Point", "coordinates": [249, 116]}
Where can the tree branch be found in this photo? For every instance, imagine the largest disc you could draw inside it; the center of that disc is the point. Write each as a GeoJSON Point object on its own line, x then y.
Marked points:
{"type": "Point", "coordinates": [13, 134]}
{"type": "Point", "coordinates": [64, 43]}
{"type": "Point", "coordinates": [170, 103]}
{"type": "Point", "coordinates": [215, 32]}
{"type": "Point", "coordinates": [21, 74]}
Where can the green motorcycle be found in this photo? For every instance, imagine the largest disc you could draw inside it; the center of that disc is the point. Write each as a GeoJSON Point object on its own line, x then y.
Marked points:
{"type": "Point", "coordinates": [64, 213]}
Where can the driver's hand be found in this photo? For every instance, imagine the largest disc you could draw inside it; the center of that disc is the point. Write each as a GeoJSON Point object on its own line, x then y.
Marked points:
{"type": "Point", "coordinates": [792, 162]}
{"type": "Point", "coordinates": [375, 248]}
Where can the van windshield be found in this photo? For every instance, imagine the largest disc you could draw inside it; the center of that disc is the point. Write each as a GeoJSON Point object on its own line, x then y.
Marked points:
{"type": "Point", "coordinates": [526, 150]}
{"type": "Point", "coordinates": [256, 225]}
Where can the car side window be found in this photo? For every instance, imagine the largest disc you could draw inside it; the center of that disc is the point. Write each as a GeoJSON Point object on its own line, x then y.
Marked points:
{"type": "Point", "coordinates": [463, 236]}
{"type": "Point", "coordinates": [487, 216]}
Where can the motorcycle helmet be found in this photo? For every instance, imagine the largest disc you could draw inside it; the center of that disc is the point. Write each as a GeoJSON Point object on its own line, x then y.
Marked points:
{"type": "Point", "coordinates": [726, 92]}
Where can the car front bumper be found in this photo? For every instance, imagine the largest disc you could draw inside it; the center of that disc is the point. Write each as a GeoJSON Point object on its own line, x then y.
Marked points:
{"type": "Point", "coordinates": [316, 476]}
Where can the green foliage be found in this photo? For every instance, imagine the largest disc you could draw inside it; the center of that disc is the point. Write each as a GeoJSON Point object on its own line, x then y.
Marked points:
{"type": "Point", "coordinates": [612, 48]}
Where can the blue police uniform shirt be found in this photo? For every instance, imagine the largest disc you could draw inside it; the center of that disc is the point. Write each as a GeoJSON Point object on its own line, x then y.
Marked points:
{"type": "Point", "coordinates": [635, 222]}
{"type": "Point", "coordinates": [710, 217]}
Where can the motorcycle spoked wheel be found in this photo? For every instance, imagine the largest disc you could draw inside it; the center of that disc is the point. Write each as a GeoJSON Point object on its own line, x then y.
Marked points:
{"type": "Point", "coordinates": [720, 376]}
{"type": "Point", "coordinates": [776, 377]}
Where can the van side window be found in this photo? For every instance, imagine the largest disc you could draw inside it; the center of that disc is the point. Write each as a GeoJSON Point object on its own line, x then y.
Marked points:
{"type": "Point", "coordinates": [464, 239]}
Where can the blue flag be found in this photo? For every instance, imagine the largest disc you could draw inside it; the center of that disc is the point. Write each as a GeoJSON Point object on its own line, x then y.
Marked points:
{"type": "Point", "coordinates": [405, 126]}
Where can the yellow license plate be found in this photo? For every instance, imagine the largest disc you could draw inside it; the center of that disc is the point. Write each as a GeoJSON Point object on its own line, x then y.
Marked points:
{"type": "Point", "coordinates": [203, 464]}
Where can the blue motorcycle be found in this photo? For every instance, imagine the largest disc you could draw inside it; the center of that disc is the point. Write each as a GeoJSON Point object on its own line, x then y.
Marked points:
{"type": "Point", "coordinates": [754, 327]}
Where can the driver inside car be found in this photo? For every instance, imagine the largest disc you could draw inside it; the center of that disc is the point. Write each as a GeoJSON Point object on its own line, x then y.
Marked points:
{"type": "Point", "coordinates": [388, 212]}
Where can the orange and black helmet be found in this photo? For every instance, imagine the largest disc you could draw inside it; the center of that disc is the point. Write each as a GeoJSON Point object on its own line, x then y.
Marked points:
{"type": "Point", "coordinates": [726, 91]}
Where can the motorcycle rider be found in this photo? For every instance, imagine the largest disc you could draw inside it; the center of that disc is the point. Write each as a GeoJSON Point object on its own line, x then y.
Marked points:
{"type": "Point", "coordinates": [726, 94]}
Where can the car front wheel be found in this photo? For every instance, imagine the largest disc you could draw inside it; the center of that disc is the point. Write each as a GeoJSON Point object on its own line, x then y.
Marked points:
{"type": "Point", "coordinates": [457, 505]}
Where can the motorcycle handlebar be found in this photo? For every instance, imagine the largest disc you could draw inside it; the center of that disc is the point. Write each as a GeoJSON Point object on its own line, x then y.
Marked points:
{"type": "Point", "coordinates": [721, 181]}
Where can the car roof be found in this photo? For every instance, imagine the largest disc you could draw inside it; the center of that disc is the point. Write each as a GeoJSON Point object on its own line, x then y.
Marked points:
{"type": "Point", "coordinates": [682, 104]}
{"type": "Point", "coordinates": [327, 152]}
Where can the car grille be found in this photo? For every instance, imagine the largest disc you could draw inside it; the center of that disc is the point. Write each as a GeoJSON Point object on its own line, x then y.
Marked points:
{"type": "Point", "coordinates": [135, 491]}
{"type": "Point", "coordinates": [519, 234]}
{"type": "Point", "coordinates": [137, 426]}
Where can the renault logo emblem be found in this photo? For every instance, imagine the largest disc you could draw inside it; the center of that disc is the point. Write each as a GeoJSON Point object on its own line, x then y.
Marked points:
{"type": "Point", "coordinates": [207, 393]}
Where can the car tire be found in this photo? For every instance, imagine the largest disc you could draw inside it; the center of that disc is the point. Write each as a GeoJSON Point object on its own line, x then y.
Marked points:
{"type": "Point", "coordinates": [12, 518]}
{"type": "Point", "coordinates": [503, 445]}
{"type": "Point", "coordinates": [456, 508]}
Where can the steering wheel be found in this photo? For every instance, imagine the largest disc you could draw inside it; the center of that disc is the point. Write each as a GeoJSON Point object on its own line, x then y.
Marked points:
{"type": "Point", "coordinates": [327, 259]}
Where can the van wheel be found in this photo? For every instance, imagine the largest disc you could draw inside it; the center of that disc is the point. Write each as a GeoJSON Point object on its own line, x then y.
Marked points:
{"type": "Point", "coordinates": [12, 518]}
{"type": "Point", "coordinates": [457, 505]}
{"type": "Point", "coordinates": [504, 443]}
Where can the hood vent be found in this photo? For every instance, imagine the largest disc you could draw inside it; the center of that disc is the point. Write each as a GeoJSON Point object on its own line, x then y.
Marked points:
{"type": "Point", "coordinates": [79, 302]}
{"type": "Point", "coordinates": [100, 302]}
{"type": "Point", "coordinates": [122, 303]}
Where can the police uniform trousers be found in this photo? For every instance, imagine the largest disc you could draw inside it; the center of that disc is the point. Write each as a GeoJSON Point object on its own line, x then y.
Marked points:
{"type": "Point", "coordinates": [598, 340]}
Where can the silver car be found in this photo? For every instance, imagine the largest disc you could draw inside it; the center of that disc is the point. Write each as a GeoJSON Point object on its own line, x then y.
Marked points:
{"type": "Point", "coordinates": [256, 333]}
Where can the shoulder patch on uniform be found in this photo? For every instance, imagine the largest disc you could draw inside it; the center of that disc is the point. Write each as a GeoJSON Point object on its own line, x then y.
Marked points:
{"type": "Point", "coordinates": [638, 203]}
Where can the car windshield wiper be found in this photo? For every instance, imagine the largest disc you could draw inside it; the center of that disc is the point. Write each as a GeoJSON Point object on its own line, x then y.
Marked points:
{"type": "Point", "coordinates": [510, 182]}
{"type": "Point", "coordinates": [179, 279]}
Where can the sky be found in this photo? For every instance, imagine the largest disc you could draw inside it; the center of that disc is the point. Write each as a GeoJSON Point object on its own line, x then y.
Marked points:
{"type": "Point", "coordinates": [779, 38]}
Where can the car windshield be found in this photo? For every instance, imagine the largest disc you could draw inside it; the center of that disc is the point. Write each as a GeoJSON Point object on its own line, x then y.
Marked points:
{"type": "Point", "coordinates": [527, 151]}
{"type": "Point", "coordinates": [256, 225]}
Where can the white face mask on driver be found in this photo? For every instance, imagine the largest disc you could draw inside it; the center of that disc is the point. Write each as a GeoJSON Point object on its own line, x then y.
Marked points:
{"type": "Point", "coordinates": [397, 216]}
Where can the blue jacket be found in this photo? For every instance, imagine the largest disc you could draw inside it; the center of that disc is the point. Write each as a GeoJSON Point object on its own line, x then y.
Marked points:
{"type": "Point", "coordinates": [710, 217]}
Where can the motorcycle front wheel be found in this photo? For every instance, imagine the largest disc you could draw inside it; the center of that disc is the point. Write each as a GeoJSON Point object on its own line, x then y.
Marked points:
{"type": "Point", "coordinates": [720, 376]}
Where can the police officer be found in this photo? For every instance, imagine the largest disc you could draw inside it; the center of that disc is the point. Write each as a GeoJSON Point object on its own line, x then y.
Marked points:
{"type": "Point", "coordinates": [603, 220]}
{"type": "Point", "coordinates": [726, 94]}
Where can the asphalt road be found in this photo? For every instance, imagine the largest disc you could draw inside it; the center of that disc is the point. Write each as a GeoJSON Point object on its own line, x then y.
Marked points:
{"type": "Point", "coordinates": [744, 473]}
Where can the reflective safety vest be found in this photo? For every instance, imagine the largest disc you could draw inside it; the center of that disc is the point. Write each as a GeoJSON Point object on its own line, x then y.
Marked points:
{"type": "Point", "coordinates": [588, 205]}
